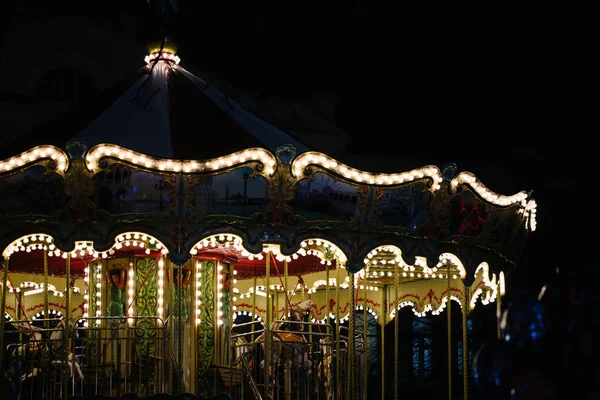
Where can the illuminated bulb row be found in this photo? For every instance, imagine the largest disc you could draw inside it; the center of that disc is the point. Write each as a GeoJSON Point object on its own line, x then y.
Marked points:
{"type": "Point", "coordinates": [369, 310]}
{"type": "Point", "coordinates": [41, 290]}
{"type": "Point", "coordinates": [529, 210]}
{"type": "Point", "coordinates": [337, 253]}
{"type": "Point", "coordinates": [448, 259]}
{"type": "Point", "coordinates": [332, 284]}
{"type": "Point", "coordinates": [223, 241]}
{"type": "Point", "coordinates": [390, 251]}
{"type": "Point", "coordinates": [248, 313]}
{"type": "Point", "coordinates": [82, 248]}
{"type": "Point", "coordinates": [93, 275]}
{"type": "Point", "coordinates": [382, 256]}
{"type": "Point", "coordinates": [198, 292]}
{"type": "Point", "coordinates": [33, 155]}
{"type": "Point", "coordinates": [141, 240]}
{"type": "Point", "coordinates": [86, 295]}
{"type": "Point", "coordinates": [28, 243]}
{"type": "Point", "coordinates": [494, 198]}
{"type": "Point", "coordinates": [485, 276]}
{"type": "Point", "coordinates": [314, 158]}
{"type": "Point", "coordinates": [219, 294]}
{"type": "Point", "coordinates": [188, 166]}
{"type": "Point", "coordinates": [163, 56]}
{"type": "Point", "coordinates": [400, 306]}
{"type": "Point", "coordinates": [489, 296]}
{"type": "Point", "coordinates": [161, 286]}
{"type": "Point", "coordinates": [502, 283]}
{"type": "Point", "coordinates": [130, 292]}
{"type": "Point", "coordinates": [98, 290]}
{"type": "Point", "coordinates": [490, 287]}
{"type": "Point", "coordinates": [427, 308]}
{"type": "Point", "coordinates": [41, 314]}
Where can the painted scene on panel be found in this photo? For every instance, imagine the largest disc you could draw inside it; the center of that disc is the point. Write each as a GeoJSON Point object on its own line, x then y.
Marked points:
{"type": "Point", "coordinates": [125, 190]}
{"type": "Point", "coordinates": [325, 198]}
{"type": "Point", "coordinates": [469, 215]}
{"type": "Point", "coordinates": [407, 206]}
{"type": "Point", "coordinates": [32, 192]}
{"type": "Point", "coordinates": [233, 193]}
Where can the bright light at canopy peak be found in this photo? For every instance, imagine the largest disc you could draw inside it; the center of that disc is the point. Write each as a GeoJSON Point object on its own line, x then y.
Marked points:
{"type": "Point", "coordinates": [164, 56]}
{"type": "Point", "coordinates": [164, 50]}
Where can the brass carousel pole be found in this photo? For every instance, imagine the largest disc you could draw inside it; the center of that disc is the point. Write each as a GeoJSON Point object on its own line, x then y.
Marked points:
{"type": "Point", "coordinates": [170, 329]}
{"type": "Point", "coordinates": [449, 315]}
{"type": "Point", "coordinates": [268, 338]}
{"type": "Point", "coordinates": [66, 329]}
{"type": "Point", "coordinates": [465, 348]}
{"type": "Point", "coordinates": [254, 282]}
{"type": "Point", "coordinates": [327, 322]}
{"type": "Point", "coordinates": [384, 312]}
{"type": "Point", "coordinates": [3, 307]}
{"type": "Point", "coordinates": [338, 331]}
{"type": "Point", "coordinates": [180, 327]}
{"type": "Point", "coordinates": [46, 311]}
{"type": "Point", "coordinates": [351, 342]}
{"type": "Point", "coordinates": [498, 311]}
{"type": "Point", "coordinates": [326, 295]}
{"type": "Point", "coordinates": [365, 336]}
{"type": "Point", "coordinates": [285, 282]}
{"type": "Point", "coordinates": [396, 332]}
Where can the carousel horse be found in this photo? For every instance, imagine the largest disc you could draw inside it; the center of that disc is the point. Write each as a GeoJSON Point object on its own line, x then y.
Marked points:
{"type": "Point", "coordinates": [37, 345]}
{"type": "Point", "coordinates": [290, 344]}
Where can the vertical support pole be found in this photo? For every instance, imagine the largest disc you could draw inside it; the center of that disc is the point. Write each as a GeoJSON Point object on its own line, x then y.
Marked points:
{"type": "Point", "coordinates": [465, 341]}
{"type": "Point", "coordinates": [338, 381]}
{"type": "Point", "coordinates": [498, 311]}
{"type": "Point", "coordinates": [351, 341]}
{"type": "Point", "coordinates": [327, 310]}
{"type": "Point", "coordinates": [268, 338]}
{"type": "Point", "coordinates": [254, 283]}
{"type": "Point", "coordinates": [285, 284]}
{"type": "Point", "coordinates": [46, 311]}
{"type": "Point", "coordinates": [384, 312]}
{"type": "Point", "coordinates": [449, 315]}
{"type": "Point", "coordinates": [180, 327]}
{"type": "Point", "coordinates": [327, 346]}
{"type": "Point", "coordinates": [3, 308]}
{"type": "Point", "coordinates": [171, 329]}
{"type": "Point", "coordinates": [365, 343]}
{"type": "Point", "coordinates": [67, 326]}
{"type": "Point", "coordinates": [396, 332]}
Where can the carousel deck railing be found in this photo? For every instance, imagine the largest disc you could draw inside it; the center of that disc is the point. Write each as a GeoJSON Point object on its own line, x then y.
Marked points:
{"type": "Point", "coordinates": [110, 356]}
{"type": "Point", "coordinates": [303, 362]}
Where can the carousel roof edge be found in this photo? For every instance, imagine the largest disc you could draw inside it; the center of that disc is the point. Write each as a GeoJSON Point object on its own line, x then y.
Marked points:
{"type": "Point", "coordinates": [303, 165]}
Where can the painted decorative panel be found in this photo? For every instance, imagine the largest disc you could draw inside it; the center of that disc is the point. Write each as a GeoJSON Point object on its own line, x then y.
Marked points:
{"type": "Point", "coordinates": [469, 215]}
{"type": "Point", "coordinates": [123, 189]}
{"type": "Point", "coordinates": [406, 206]}
{"type": "Point", "coordinates": [237, 193]}
{"type": "Point", "coordinates": [325, 198]}
{"type": "Point", "coordinates": [32, 192]}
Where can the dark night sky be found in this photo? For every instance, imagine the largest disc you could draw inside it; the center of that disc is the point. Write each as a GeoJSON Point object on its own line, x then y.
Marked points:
{"type": "Point", "coordinates": [493, 92]}
{"type": "Point", "coordinates": [490, 89]}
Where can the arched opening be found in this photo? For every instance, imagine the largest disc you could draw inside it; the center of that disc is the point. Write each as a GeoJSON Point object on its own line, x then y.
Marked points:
{"type": "Point", "coordinates": [51, 289]}
{"type": "Point", "coordinates": [288, 296]}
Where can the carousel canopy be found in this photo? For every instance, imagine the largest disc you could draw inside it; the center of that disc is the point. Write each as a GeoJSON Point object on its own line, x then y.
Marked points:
{"type": "Point", "coordinates": [161, 110]}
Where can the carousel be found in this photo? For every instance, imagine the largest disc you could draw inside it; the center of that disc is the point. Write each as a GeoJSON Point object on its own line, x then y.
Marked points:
{"type": "Point", "coordinates": [249, 264]}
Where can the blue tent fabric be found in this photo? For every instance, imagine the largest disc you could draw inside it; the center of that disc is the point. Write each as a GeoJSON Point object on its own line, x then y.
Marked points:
{"type": "Point", "coordinates": [164, 111]}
